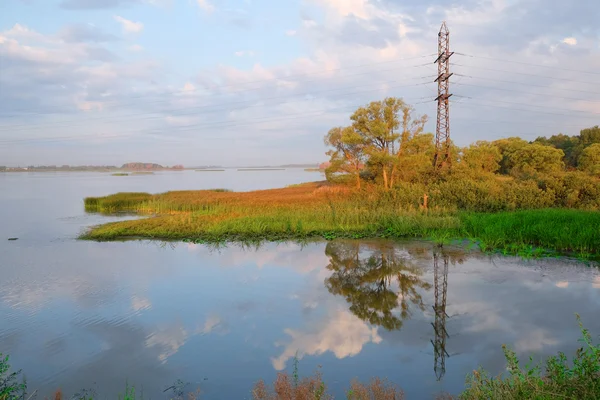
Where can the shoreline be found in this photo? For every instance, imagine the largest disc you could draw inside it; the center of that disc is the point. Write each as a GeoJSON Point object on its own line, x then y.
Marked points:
{"type": "Point", "coordinates": [320, 210]}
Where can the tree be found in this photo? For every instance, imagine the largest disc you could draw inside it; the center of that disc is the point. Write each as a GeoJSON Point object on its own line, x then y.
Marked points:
{"type": "Point", "coordinates": [482, 157]}
{"type": "Point", "coordinates": [508, 147]}
{"type": "Point", "coordinates": [589, 161]}
{"type": "Point", "coordinates": [386, 126]}
{"type": "Point", "coordinates": [348, 152]}
{"type": "Point", "coordinates": [568, 144]}
{"type": "Point", "coordinates": [537, 159]}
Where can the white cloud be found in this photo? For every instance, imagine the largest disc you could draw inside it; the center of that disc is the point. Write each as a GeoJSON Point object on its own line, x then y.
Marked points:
{"type": "Point", "coordinates": [343, 334]}
{"type": "Point", "coordinates": [136, 48]}
{"type": "Point", "coordinates": [291, 32]}
{"type": "Point", "coordinates": [571, 41]}
{"type": "Point", "coordinates": [358, 8]}
{"type": "Point", "coordinates": [206, 6]}
{"type": "Point", "coordinates": [129, 26]}
{"type": "Point", "coordinates": [244, 53]}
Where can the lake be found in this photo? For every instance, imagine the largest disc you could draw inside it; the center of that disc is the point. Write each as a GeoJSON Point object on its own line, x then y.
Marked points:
{"type": "Point", "coordinates": [84, 315]}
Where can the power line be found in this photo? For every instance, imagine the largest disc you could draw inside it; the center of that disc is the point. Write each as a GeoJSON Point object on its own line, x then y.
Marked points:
{"type": "Point", "coordinates": [225, 106]}
{"type": "Point", "coordinates": [533, 105]}
{"type": "Point", "coordinates": [526, 84]}
{"type": "Point", "coordinates": [219, 124]}
{"type": "Point", "coordinates": [526, 74]}
{"type": "Point", "coordinates": [279, 79]}
{"type": "Point", "coordinates": [517, 109]}
{"type": "Point", "coordinates": [527, 63]}
{"type": "Point", "coordinates": [519, 91]}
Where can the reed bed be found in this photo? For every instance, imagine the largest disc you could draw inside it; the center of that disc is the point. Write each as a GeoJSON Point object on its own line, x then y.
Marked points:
{"type": "Point", "coordinates": [322, 210]}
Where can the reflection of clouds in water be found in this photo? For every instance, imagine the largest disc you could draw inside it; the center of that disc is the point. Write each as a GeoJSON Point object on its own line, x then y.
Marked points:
{"type": "Point", "coordinates": [169, 339]}
{"type": "Point", "coordinates": [342, 333]}
{"type": "Point", "coordinates": [534, 340]}
{"type": "Point", "coordinates": [596, 283]}
{"type": "Point", "coordinates": [302, 259]}
{"type": "Point", "coordinates": [562, 284]}
{"type": "Point", "coordinates": [140, 303]}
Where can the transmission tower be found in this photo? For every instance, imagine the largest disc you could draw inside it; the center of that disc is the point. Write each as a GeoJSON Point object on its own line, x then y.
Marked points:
{"type": "Point", "coordinates": [442, 133]}
{"type": "Point", "coordinates": [439, 324]}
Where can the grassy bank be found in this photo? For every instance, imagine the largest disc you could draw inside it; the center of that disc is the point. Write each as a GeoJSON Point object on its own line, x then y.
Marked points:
{"type": "Point", "coordinates": [558, 378]}
{"type": "Point", "coordinates": [320, 210]}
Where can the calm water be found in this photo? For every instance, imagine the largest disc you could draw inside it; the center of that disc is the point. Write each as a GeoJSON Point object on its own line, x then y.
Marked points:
{"type": "Point", "coordinates": [85, 315]}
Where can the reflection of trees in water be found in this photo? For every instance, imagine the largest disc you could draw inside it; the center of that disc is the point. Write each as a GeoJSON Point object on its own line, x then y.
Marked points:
{"type": "Point", "coordinates": [380, 284]}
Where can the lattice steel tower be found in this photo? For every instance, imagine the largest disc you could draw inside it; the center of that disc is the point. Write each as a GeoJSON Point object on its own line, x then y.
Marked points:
{"type": "Point", "coordinates": [439, 324]}
{"type": "Point", "coordinates": [442, 133]}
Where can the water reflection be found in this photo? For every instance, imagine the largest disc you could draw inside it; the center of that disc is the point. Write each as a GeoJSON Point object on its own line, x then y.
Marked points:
{"type": "Point", "coordinates": [378, 281]}
{"type": "Point", "coordinates": [383, 283]}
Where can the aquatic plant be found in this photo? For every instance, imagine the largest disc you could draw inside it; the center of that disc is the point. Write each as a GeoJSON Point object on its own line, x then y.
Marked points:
{"type": "Point", "coordinates": [10, 388]}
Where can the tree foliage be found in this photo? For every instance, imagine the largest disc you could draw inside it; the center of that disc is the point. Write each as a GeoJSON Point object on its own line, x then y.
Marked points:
{"type": "Point", "coordinates": [385, 144]}
{"type": "Point", "coordinates": [589, 161]}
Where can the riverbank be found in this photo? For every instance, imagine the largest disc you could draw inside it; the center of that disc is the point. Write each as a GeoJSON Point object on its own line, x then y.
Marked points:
{"type": "Point", "coordinates": [321, 210]}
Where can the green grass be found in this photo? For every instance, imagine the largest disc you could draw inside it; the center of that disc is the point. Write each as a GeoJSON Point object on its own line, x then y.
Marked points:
{"type": "Point", "coordinates": [120, 174]}
{"type": "Point", "coordinates": [317, 210]}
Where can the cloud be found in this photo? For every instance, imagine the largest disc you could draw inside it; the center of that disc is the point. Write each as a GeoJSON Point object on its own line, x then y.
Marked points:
{"type": "Point", "coordinates": [80, 33]}
{"type": "Point", "coordinates": [342, 333]}
{"type": "Point", "coordinates": [571, 41]}
{"type": "Point", "coordinates": [206, 6]}
{"type": "Point", "coordinates": [244, 53]}
{"type": "Point", "coordinates": [95, 4]}
{"type": "Point", "coordinates": [129, 26]}
{"type": "Point", "coordinates": [136, 48]}
{"type": "Point", "coordinates": [291, 32]}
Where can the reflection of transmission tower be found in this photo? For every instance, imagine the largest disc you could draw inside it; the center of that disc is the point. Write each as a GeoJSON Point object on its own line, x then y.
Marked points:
{"type": "Point", "coordinates": [439, 324]}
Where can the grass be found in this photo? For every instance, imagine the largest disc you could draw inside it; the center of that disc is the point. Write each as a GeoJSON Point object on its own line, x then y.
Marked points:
{"type": "Point", "coordinates": [322, 210]}
{"type": "Point", "coordinates": [557, 378]}
{"type": "Point", "coordinates": [120, 174]}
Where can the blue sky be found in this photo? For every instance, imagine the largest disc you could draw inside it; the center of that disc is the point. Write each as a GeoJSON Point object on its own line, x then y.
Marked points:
{"type": "Point", "coordinates": [253, 82]}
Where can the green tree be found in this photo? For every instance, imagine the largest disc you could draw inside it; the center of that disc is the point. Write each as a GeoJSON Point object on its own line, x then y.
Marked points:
{"type": "Point", "coordinates": [386, 126]}
{"type": "Point", "coordinates": [482, 157]}
{"type": "Point", "coordinates": [568, 144]}
{"type": "Point", "coordinates": [537, 159]}
{"type": "Point", "coordinates": [508, 147]}
{"type": "Point", "coordinates": [589, 161]}
{"type": "Point", "coordinates": [348, 152]}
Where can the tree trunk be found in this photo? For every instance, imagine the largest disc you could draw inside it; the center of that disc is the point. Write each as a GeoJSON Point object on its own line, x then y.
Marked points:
{"type": "Point", "coordinates": [357, 179]}
{"type": "Point", "coordinates": [385, 178]}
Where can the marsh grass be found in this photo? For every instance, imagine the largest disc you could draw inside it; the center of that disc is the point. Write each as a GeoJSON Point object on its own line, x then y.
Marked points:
{"type": "Point", "coordinates": [322, 210]}
{"type": "Point", "coordinates": [120, 174]}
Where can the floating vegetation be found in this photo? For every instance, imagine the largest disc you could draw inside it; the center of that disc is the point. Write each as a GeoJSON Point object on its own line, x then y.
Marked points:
{"type": "Point", "coordinates": [120, 174]}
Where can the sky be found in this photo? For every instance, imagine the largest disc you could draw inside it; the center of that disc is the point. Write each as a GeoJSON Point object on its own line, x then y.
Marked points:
{"type": "Point", "coordinates": [254, 82]}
